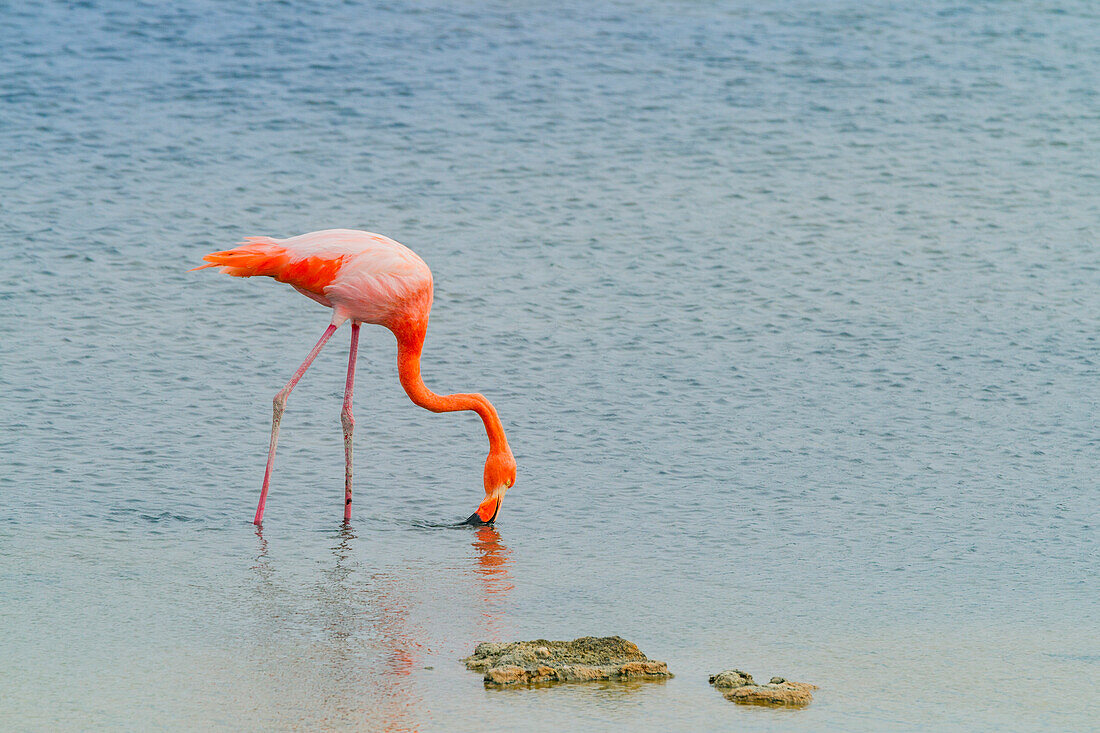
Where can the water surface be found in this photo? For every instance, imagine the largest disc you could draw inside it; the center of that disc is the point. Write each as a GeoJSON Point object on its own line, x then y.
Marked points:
{"type": "Point", "coordinates": [790, 310]}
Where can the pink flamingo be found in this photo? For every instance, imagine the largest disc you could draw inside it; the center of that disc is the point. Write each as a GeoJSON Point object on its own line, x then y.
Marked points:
{"type": "Point", "coordinates": [366, 278]}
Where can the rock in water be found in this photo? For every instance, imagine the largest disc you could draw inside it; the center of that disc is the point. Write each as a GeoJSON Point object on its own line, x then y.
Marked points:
{"type": "Point", "coordinates": [740, 688]}
{"type": "Point", "coordinates": [730, 679]}
{"type": "Point", "coordinates": [580, 660]}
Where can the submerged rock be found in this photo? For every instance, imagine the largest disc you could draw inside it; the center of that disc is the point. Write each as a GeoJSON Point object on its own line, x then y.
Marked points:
{"type": "Point", "coordinates": [580, 660]}
{"type": "Point", "coordinates": [740, 688]}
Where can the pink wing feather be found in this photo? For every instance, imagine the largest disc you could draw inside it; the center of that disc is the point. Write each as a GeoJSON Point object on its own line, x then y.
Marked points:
{"type": "Point", "coordinates": [364, 276]}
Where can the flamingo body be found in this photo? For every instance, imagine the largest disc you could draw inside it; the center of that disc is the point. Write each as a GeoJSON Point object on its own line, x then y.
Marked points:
{"type": "Point", "coordinates": [366, 278]}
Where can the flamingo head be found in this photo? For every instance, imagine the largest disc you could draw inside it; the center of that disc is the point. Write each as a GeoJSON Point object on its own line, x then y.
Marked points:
{"type": "Point", "coordinates": [500, 475]}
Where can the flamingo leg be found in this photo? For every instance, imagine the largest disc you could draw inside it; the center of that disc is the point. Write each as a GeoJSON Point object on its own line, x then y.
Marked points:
{"type": "Point", "coordinates": [347, 420]}
{"type": "Point", "coordinates": [278, 405]}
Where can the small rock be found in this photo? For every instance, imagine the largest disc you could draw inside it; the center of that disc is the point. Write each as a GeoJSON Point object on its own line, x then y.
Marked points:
{"type": "Point", "coordinates": [730, 679]}
{"type": "Point", "coordinates": [779, 692]}
{"type": "Point", "coordinates": [581, 660]}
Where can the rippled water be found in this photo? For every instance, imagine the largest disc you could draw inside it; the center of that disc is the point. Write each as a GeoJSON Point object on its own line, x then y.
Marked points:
{"type": "Point", "coordinates": [790, 310]}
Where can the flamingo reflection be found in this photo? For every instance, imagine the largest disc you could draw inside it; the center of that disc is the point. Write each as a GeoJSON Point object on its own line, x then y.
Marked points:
{"type": "Point", "coordinates": [349, 650]}
{"type": "Point", "coordinates": [493, 563]}
{"type": "Point", "coordinates": [372, 640]}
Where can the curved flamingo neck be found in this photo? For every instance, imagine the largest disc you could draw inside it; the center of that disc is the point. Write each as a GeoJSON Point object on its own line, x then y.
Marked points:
{"type": "Point", "coordinates": [410, 343]}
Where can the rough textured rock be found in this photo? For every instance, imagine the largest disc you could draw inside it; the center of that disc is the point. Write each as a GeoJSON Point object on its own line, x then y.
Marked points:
{"type": "Point", "coordinates": [740, 688]}
{"type": "Point", "coordinates": [580, 660]}
{"type": "Point", "coordinates": [731, 679]}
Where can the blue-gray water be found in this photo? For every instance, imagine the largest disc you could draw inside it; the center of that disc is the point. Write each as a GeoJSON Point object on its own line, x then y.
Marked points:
{"type": "Point", "coordinates": [790, 310]}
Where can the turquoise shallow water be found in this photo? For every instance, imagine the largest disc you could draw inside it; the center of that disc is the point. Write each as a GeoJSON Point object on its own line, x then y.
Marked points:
{"type": "Point", "coordinates": [790, 311]}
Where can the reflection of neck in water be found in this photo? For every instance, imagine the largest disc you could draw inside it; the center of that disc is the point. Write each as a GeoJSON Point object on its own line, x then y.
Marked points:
{"type": "Point", "coordinates": [493, 562]}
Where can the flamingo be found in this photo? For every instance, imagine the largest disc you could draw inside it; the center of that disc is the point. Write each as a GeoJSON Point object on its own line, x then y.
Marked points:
{"type": "Point", "coordinates": [366, 278]}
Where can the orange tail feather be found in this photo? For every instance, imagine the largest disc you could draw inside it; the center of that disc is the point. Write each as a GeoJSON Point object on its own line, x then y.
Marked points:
{"type": "Point", "coordinates": [263, 256]}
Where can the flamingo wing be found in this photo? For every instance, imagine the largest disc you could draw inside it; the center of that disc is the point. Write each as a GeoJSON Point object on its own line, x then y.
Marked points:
{"type": "Point", "coordinates": [367, 276]}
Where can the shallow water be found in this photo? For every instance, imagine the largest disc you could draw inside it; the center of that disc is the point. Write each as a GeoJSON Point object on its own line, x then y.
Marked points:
{"type": "Point", "coordinates": [790, 313]}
